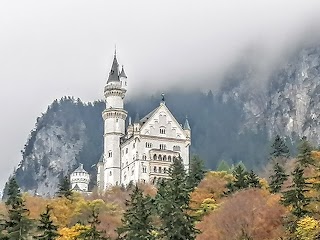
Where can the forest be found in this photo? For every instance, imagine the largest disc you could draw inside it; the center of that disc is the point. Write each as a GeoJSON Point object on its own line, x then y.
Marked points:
{"type": "Point", "coordinates": [281, 202]}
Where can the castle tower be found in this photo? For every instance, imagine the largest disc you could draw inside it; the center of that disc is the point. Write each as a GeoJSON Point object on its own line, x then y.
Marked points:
{"type": "Point", "coordinates": [80, 179]}
{"type": "Point", "coordinates": [114, 117]}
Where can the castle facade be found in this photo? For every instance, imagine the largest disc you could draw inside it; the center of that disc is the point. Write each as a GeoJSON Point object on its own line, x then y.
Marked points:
{"type": "Point", "coordinates": [144, 151]}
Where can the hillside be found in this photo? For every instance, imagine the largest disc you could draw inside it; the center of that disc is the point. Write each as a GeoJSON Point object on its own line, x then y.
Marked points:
{"type": "Point", "coordinates": [235, 123]}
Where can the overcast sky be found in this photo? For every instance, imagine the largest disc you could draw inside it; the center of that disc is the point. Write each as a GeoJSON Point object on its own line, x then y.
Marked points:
{"type": "Point", "coordinates": [49, 49]}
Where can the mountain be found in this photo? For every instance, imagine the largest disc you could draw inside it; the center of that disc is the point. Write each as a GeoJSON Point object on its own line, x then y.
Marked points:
{"type": "Point", "coordinates": [235, 123]}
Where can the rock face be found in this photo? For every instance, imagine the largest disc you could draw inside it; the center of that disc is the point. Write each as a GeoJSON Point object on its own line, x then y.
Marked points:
{"type": "Point", "coordinates": [58, 143]}
{"type": "Point", "coordinates": [289, 105]}
{"type": "Point", "coordinates": [234, 124]}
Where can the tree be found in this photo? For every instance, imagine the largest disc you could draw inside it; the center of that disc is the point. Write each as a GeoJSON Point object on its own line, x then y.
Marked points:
{"type": "Point", "coordinates": [296, 197]}
{"type": "Point", "coordinates": [277, 178]}
{"type": "Point", "coordinates": [223, 166]}
{"type": "Point", "coordinates": [172, 205]}
{"type": "Point", "coordinates": [304, 153]}
{"type": "Point", "coordinates": [18, 225]}
{"type": "Point", "coordinates": [137, 220]}
{"type": "Point", "coordinates": [92, 233]}
{"type": "Point", "coordinates": [240, 180]}
{"type": "Point", "coordinates": [48, 230]}
{"type": "Point", "coordinates": [196, 172]}
{"type": "Point", "coordinates": [279, 149]}
{"type": "Point", "coordinates": [253, 180]}
{"type": "Point", "coordinates": [64, 188]}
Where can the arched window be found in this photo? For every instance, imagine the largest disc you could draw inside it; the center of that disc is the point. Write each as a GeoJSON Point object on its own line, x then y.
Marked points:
{"type": "Point", "coordinates": [155, 157]}
{"type": "Point", "coordinates": [110, 173]}
{"type": "Point", "coordinates": [159, 157]}
{"type": "Point", "coordinates": [164, 170]}
{"type": "Point", "coordinates": [160, 169]}
{"type": "Point", "coordinates": [164, 158]}
{"type": "Point", "coordinates": [144, 157]}
{"type": "Point", "coordinates": [162, 130]}
{"type": "Point", "coordinates": [154, 169]}
{"type": "Point", "coordinates": [169, 158]}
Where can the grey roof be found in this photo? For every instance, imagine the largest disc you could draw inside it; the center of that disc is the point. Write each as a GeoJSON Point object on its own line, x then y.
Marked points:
{"type": "Point", "coordinates": [76, 188]}
{"type": "Point", "coordinates": [123, 74]}
{"type": "Point", "coordinates": [80, 169]}
{"type": "Point", "coordinates": [114, 72]}
{"type": "Point", "coordinates": [145, 118]}
{"type": "Point", "coordinates": [186, 125]}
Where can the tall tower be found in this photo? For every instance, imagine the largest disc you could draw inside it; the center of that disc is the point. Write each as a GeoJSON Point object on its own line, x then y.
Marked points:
{"type": "Point", "coordinates": [114, 117]}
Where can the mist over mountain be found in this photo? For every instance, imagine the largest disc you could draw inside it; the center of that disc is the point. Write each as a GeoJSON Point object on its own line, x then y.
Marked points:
{"type": "Point", "coordinates": [234, 123]}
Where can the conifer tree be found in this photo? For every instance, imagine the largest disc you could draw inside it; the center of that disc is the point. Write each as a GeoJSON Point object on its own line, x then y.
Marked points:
{"type": "Point", "coordinates": [64, 188]}
{"type": "Point", "coordinates": [172, 203]}
{"type": "Point", "coordinates": [223, 166]}
{"type": "Point", "coordinates": [253, 180]}
{"type": "Point", "coordinates": [18, 225]}
{"type": "Point", "coordinates": [296, 195]}
{"type": "Point", "coordinates": [196, 172]}
{"type": "Point", "coordinates": [277, 178]}
{"type": "Point", "coordinates": [279, 149]}
{"type": "Point", "coordinates": [92, 233]}
{"type": "Point", "coordinates": [48, 231]}
{"type": "Point", "coordinates": [304, 153]}
{"type": "Point", "coordinates": [137, 220]}
{"type": "Point", "coordinates": [240, 180]}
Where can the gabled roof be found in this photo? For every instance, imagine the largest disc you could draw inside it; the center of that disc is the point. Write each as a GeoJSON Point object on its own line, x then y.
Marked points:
{"type": "Point", "coordinates": [145, 118]}
{"type": "Point", "coordinates": [76, 188]}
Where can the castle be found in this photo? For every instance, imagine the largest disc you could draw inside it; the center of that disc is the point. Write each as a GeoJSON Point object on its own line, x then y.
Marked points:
{"type": "Point", "coordinates": [145, 150]}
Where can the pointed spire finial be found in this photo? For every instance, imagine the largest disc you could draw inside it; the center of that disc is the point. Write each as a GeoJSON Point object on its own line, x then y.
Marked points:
{"type": "Point", "coordinates": [162, 98]}
{"type": "Point", "coordinates": [186, 125]}
{"type": "Point", "coordinates": [115, 50]}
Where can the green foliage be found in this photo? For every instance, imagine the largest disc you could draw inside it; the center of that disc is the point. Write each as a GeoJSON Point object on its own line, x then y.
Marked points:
{"type": "Point", "coordinates": [196, 172]}
{"type": "Point", "coordinates": [137, 220]}
{"type": "Point", "coordinates": [277, 178]}
{"type": "Point", "coordinates": [172, 202]}
{"type": "Point", "coordinates": [48, 231]}
{"type": "Point", "coordinates": [18, 225]}
{"type": "Point", "coordinates": [304, 157]}
{"type": "Point", "coordinates": [223, 166]}
{"type": "Point", "coordinates": [279, 149]}
{"type": "Point", "coordinates": [296, 197]}
{"type": "Point", "coordinates": [64, 188]}
{"type": "Point", "coordinates": [252, 180]}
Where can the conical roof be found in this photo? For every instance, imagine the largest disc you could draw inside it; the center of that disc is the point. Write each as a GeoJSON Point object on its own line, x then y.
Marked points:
{"type": "Point", "coordinates": [114, 72]}
{"type": "Point", "coordinates": [80, 169]}
{"type": "Point", "coordinates": [123, 74]}
{"type": "Point", "coordinates": [186, 125]}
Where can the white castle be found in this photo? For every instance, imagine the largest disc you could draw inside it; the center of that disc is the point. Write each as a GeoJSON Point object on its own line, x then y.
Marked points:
{"type": "Point", "coordinates": [145, 150]}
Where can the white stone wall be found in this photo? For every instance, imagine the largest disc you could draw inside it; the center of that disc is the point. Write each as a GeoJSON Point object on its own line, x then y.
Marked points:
{"type": "Point", "coordinates": [81, 179]}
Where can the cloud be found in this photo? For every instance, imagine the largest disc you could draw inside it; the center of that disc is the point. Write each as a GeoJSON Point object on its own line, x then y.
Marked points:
{"type": "Point", "coordinates": [57, 48]}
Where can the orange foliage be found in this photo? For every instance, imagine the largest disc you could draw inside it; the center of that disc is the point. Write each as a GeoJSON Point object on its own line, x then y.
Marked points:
{"type": "Point", "coordinates": [212, 186]}
{"type": "Point", "coordinates": [36, 205]}
{"type": "Point", "coordinates": [253, 211]}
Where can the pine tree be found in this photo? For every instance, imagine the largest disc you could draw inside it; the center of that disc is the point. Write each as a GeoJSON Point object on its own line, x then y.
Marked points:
{"type": "Point", "coordinates": [48, 231]}
{"type": "Point", "coordinates": [196, 172]}
{"type": "Point", "coordinates": [223, 166]}
{"type": "Point", "coordinates": [172, 203]}
{"type": "Point", "coordinates": [18, 225]}
{"type": "Point", "coordinates": [253, 180]}
{"type": "Point", "coordinates": [240, 180]}
{"type": "Point", "coordinates": [277, 178]}
{"type": "Point", "coordinates": [64, 188]}
{"type": "Point", "coordinates": [304, 153]}
{"type": "Point", "coordinates": [279, 148]}
{"type": "Point", "coordinates": [296, 195]}
{"type": "Point", "coordinates": [137, 220]}
{"type": "Point", "coordinates": [93, 233]}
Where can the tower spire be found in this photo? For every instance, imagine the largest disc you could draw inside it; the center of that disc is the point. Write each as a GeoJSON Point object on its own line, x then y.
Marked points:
{"type": "Point", "coordinates": [114, 72]}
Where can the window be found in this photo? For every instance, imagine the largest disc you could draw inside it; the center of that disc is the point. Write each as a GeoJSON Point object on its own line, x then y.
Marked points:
{"type": "Point", "coordinates": [110, 154]}
{"type": "Point", "coordinates": [110, 173]}
{"type": "Point", "coordinates": [164, 158]}
{"type": "Point", "coordinates": [165, 170]}
{"type": "Point", "coordinates": [134, 145]}
{"type": "Point", "coordinates": [162, 130]}
{"type": "Point", "coordinates": [148, 145]}
{"type": "Point", "coordinates": [144, 169]}
{"type": "Point", "coordinates": [160, 169]}
{"type": "Point", "coordinates": [144, 157]}
{"type": "Point", "coordinates": [169, 158]}
{"type": "Point", "coordinates": [155, 157]}
{"type": "Point", "coordinates": [159, 158]}
{"type": "Point", "coordinates": [132, 172]}
{"type": "Point", "coordinates": [126, 150]}
{"type": "Point", "coordinates": [162, 146]}
{"type": "Point", "coordinates": [154, 169]}
{"type": "Point", "coordinates": [176, 148]}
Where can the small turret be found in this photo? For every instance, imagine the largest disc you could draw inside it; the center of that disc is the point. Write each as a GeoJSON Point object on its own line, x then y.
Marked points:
{"type": "Point", "coordinates": [130, 128]}
{"type": "Point", "coordinates": [80, 179]}
{"type": "Point", "coordinates": [136, 124]}
{"type": "Point", "coordinates": [123, 78]}
{"type": "Point", "coordinates": [186, 128]}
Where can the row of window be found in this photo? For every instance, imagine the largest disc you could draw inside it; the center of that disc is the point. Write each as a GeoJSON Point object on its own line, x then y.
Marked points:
{"type": "Point", "coordinates": [162, 157]}
{"type": "Point", "coordinates": [159, 170]}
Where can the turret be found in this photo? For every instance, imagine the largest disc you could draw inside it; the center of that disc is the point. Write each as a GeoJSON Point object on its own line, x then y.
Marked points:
{"type": "Point", "coordinates": [80, 179]}
{"type": "Point", "coordinates": [136, 125]}
{"type": "Point", "coordinates": [130, 128]}
{"type": "Point", "coordinates": [114, 117]}
{"type": "Point", "coordinates": [186, 128]}
{"type": "Point", "coordinates": [123, 78]}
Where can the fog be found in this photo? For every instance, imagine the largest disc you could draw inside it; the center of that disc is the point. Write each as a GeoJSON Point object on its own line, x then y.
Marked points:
{"type": "Point", "coordinates": [49, 49]}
